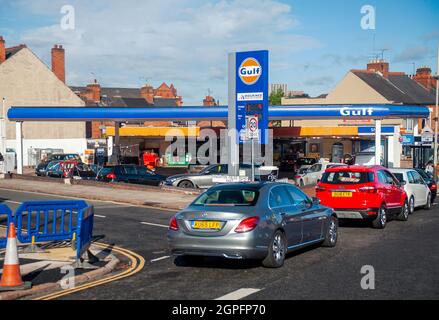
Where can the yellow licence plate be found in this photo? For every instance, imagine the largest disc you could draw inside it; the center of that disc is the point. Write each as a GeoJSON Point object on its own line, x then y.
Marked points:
{"type": "Point", "coordinates": [207, 225]}
{"type": "Point", "coordinates": [342, 194]}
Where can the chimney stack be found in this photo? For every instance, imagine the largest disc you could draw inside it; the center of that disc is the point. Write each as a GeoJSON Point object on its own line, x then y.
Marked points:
{"type": "Point", "coordinates": [58, 62]}
{"type": "Point", "coordinates": [147, 93]}
{"type": "Point", "coordinates": [2, 50]}
{"type": "Point", "coordinates": [424, 77]}
{"type": "Point", "coordinates": [379, 65]}
{"type": "Point", "coordinates": [94, 91]}
{"type": "Point", "coordinates": [209, 101]}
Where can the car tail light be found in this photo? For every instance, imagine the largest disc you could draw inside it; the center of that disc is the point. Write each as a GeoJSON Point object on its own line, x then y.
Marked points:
{"type": "Point", "coordinates": [173, 225]}
{"type": "Point", "coordinates": [247, 225]}
{"type": "Point", "coordinates": [111, 176]}
{"type": "Point", "coordinates": [296, 177]}
{"type": "Point", "coordinates": [371, 213]}
{"type": "Point", "coordinates": [433, 186]}
{"type": "Point", "coordinates": [320, 188]}
{"type": "Point", "coordinates": [368, 189]}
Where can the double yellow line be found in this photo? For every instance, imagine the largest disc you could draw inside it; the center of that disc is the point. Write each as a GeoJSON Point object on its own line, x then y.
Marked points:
{"type": "Point", "coordinates": [136, 265]}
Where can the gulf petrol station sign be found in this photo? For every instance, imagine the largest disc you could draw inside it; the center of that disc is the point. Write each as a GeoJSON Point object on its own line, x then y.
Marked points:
{"type": "Point", "coordinates": [251, 93]}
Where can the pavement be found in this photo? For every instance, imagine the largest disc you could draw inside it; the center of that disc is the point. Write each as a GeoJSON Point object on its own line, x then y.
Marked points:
{"type": "Point", "coordinates": [51, 269]}
{"type": "Point", "coordinates": [154, 197]}
{"type": "Point", "coordinates": [405, 258]}
{"type": "Point", "coordinates": [167, 198]}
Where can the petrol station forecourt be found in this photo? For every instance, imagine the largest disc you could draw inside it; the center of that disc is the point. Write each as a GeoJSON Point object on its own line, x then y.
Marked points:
{"type": "Point", "coordinates": [247, 108]}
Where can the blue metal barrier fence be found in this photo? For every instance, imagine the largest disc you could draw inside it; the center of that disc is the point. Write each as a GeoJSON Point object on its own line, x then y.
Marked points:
{"type": "Point", "coordinates": [42, 221]}
{"type": "Point", "coordinates": [5, 213]}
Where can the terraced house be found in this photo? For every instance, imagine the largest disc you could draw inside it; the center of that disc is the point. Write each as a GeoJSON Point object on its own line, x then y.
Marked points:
{"type": "Point", "coordinates": [374, 85]}
{"type": "Point", "coordinates": [26, 81]}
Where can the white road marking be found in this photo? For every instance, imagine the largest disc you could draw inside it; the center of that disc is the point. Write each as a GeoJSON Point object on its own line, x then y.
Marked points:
{"type": "Point", "coordinates": [238, 294]}
{"type": "Point", "coordinates": [154, 224]}
{"type": "Point", "coordinates": [161, 258]}
{"type": "Point", "coordinates": [99, 216]}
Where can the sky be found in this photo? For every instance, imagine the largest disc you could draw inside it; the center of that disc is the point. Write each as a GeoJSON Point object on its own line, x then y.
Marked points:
{"type": "Point", "coordinates": [312, 43]}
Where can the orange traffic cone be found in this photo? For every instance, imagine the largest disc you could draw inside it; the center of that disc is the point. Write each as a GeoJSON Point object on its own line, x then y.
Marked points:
{"type": "Point", "coordinates": [11, 276]}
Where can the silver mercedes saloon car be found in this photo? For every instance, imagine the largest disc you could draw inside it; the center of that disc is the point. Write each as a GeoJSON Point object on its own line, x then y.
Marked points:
{"type": "Point", "coordinates": [251, 221]}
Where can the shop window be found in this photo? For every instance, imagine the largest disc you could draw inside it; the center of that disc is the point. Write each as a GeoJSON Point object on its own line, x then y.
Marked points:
{"type": "Point", "coordinates": [408, 124]}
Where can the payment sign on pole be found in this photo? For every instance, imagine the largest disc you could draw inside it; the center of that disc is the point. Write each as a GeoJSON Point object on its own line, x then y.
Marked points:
{"type": "Point", "coordinates": [251, 93]}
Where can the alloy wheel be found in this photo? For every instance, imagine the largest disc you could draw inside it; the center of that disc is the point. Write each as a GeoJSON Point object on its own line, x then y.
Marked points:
{"type": "Point", "coordinates": [412, 205]}
{"type": "Point", "coordinates": [278, 248]}
{"type": "Point", "coordinates": [332, 231]}
{"type": "Point", "coordinates": [406, 210]}
{"type": "Point", "coordinates": [383, 217]}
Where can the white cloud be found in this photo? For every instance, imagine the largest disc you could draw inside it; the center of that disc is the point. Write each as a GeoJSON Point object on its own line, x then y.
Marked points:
{"type": "Point", "coordinates": [184, 42]}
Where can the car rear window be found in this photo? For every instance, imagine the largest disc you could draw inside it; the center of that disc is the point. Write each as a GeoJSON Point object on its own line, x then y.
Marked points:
{"type": "Point", "coordinates": [347, 177]}
{"type": "Point", "coordinates": [399, 176]}
{"type": "Point", "coordinates": [231, 197]}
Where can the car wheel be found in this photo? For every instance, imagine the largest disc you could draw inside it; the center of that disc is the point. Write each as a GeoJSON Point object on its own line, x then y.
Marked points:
{"type": "Point", "coordinates": [381, 219]}
{"type": "Point", "coordinates": [186, 184]}
{"type": "Point", "coordinates": [411, 205]}
{"type": "Point", "coordinates": [404, 214]}
{"type": "Point", "coordinates": [331, 233]}
{"type": "Point", "coordinates": [276, 251]}
{"type": "Point", "coordinates": [428, 205]}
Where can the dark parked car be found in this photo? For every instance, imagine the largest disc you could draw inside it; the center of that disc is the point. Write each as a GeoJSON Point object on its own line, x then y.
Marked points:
{"type": "Point", "coordinates": [41, 168]}
{"type": "Point", "coordinates": [78, 170]}
{"type": "Point", "coordinates": [429, 179]}
{"type": "Point", "coordinates": [251, 221]}
{"type": "Point", "coordinates": [288, 163]}
{"type": "Point", "coordinates": [130, 174]}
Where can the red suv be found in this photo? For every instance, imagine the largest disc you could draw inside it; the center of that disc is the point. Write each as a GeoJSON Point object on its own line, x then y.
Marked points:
{"type": "Point", "coordinates": [363, 192]}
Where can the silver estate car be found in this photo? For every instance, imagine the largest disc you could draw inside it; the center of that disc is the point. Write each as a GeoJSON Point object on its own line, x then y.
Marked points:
{"type": "Point", "coordinates": [204, 178]}
{"type": "Point", "coordinates": [251, 221]}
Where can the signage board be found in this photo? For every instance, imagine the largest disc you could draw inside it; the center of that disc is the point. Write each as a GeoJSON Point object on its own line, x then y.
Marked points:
{"type": "Point", "coordinates": [370, 130]}
{"type": "Point", "coordinates": [427, 138]}
{"type": "Point", "coordinates": [251, 88]}
{"type": "Point", "coordinates": [407, 139]}
{"type": "Point", "coordinates": [252, 127]}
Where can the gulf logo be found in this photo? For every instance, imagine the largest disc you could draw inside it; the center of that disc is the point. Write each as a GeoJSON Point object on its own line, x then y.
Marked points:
{"type": "Point", "coordinates": [250, 71]}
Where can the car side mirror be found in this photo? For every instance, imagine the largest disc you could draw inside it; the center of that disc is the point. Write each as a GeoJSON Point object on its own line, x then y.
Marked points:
{"type": "Point", "coordinates": [402, 183]}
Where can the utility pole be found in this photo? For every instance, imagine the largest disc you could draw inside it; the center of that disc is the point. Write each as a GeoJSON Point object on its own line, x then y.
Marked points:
{"type": "Point", "coordinates": [436, 119]}
{"type": "Point", "coordinates": [3, 128]}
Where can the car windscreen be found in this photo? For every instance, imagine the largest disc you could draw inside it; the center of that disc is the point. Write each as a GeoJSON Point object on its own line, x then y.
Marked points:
{"type": "Point", "coordinates": [347, 177]}
{"type": "Point", "coordinates": [56, 157]}
{"type": "Point", "coordinates": [227, 197]}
